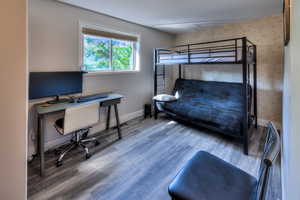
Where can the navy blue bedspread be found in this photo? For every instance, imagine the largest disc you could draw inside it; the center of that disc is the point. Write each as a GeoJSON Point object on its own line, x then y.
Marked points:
{"type": "Point", "coordinates": [208, 103]}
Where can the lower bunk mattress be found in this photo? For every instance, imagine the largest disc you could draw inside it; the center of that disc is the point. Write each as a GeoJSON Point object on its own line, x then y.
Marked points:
{"type": "Point", "coordinates": [224, 120]}
{"type": "Point", "coordinates": [211, 104]}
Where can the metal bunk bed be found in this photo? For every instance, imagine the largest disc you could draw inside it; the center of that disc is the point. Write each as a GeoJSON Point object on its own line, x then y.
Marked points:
{"type": "Point", "coordinates": [239, 51]}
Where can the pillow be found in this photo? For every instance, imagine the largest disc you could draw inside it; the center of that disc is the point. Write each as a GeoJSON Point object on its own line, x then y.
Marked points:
{"type": "Point", "coordinates": [164, 98]}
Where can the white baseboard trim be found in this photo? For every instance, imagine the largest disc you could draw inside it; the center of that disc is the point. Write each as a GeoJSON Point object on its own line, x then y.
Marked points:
{"type": "Point", "coordinates": [100, 127]}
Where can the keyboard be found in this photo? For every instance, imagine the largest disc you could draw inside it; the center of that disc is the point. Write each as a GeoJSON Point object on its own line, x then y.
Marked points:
{"type": "Point", "coordinates": [91, 97]}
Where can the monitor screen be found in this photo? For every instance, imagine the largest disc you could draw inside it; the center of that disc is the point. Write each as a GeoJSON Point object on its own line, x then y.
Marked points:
{"type": "Point", "coordinates": [48, 84]}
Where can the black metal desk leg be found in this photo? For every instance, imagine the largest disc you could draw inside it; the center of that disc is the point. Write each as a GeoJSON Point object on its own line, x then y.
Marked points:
{"type": "Point", "coordinates": [108, 118]}
{"type": "Point", "coordinates": [41, 144]}
{"type": "Point", "coordinates": [118, 121]}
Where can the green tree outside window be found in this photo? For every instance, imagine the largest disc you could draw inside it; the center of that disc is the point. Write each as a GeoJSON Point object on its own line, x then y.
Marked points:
{"type": "Point", "coordinates": [107, 54]}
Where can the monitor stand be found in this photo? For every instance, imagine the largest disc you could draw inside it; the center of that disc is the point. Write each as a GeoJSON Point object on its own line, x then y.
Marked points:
{"type": "Point", "coordinates": [58, 100]}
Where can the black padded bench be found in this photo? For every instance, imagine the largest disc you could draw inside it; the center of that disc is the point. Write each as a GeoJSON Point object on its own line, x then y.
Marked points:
{"type": "Point", "coordinates": [207, 177]}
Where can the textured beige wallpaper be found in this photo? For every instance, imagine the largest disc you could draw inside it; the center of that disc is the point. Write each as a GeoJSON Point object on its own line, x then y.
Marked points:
{"type": "Point", "coordinates": [267, 34]}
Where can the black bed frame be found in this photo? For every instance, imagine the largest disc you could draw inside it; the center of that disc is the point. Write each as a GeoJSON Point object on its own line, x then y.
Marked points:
{"type": "Point", "coordinates": [234, 46]}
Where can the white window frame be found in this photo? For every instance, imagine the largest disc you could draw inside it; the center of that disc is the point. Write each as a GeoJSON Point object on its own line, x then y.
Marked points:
{"type": "Point", "coordinates": [136, 50]}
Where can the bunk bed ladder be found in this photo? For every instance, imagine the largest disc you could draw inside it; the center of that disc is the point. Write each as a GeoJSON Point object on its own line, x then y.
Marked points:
{"type": "Point", "coordinates": [161, 79]}
{"type": "Point", "coordinates": [155, 61]}
{"type": "Point", "coordinates": [159, 75]}
{"type": "Point", "coordinates": [255, 84]}
{"type": "Point", "coordinates": [155, 71]}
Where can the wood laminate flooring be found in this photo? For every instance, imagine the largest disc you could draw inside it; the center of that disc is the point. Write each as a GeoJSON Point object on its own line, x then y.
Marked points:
{"type": "Point", "coordinates": [142, 164]}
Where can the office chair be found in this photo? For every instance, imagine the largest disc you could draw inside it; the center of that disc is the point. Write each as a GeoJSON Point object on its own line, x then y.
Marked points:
{"type": "Point", "coordinates": [77, 121]}
{"type": "Point", "coordinates": [207, 177]}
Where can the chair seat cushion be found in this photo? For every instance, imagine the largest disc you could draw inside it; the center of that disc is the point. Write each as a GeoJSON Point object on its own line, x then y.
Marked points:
{"type": "Point", "coordinates": [206, 177]}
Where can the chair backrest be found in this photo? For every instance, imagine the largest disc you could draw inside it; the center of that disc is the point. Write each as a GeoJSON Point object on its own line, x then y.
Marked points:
{"type": "Point", "coordinates": [271, 151]}
{"type": "Point", "coordinates": [80, 117]}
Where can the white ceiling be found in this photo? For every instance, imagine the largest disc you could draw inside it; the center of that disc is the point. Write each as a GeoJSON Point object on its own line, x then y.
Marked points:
{"type": "Point", "coordinates": [177, 16]}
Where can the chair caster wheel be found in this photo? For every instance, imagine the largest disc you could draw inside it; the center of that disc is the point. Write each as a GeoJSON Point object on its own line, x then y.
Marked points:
{"type": "Point", "coordinates": [97, 143]}
{"type": "Point", "coordinates": [84, 135]}
{"type": "Point", "coordinates": [58, 163]}
{"type": "Point", "coordinates": [87, 156]}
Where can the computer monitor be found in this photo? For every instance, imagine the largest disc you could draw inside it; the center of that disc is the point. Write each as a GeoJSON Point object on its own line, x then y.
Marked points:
{"type": "Point", "coordinates": [50, 84]}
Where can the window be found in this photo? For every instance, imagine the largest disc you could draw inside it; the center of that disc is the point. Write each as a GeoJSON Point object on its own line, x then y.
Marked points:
{"type": "Point", "coordinates": [107, 51]}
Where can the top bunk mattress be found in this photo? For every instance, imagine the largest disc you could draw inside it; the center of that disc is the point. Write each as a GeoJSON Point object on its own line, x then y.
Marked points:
{"type": "Point", "coordinates": [204, 57]}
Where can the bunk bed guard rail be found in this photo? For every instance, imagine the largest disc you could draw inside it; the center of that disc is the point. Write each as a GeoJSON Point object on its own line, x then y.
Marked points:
{"type": "Point", "coordinates": [222, 51]}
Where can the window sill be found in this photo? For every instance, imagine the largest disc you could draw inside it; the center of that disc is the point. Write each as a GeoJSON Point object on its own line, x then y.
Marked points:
{"type": "Point", "coordinates": [95, 73]}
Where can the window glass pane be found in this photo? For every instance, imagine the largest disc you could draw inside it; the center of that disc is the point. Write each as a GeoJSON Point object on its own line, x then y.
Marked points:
{"type": "Point", "coordinates": [122, 55]}
{"type": "Point", "coordinates": [96, 53]}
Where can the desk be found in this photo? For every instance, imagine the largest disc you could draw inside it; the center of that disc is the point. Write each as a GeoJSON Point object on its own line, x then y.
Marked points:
{"type": "Point", "coordinates": [42, 110]}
